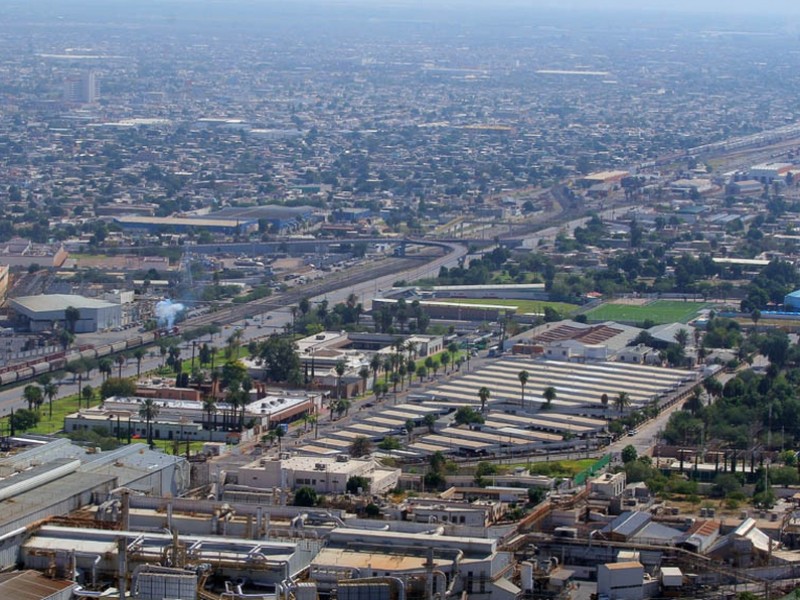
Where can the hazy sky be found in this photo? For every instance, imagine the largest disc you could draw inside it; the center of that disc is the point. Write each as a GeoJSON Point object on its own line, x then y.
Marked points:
{"type": "Point", "coordinates": [723, 7]}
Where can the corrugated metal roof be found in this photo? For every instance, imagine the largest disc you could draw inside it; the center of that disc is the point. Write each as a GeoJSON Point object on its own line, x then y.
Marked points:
{"type": "Point", "coordinates": [31, 585]}
{"type": "Point", "coordinates": [48, 302]}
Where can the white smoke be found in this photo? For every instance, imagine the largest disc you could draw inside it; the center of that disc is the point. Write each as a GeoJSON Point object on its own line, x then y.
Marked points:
{"type": "Point", "coordinates": [167, 311]}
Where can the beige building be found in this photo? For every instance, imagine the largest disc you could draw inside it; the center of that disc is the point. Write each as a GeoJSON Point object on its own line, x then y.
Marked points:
{"type": "Point", "coordinates": [324, 475]}
{"type": "Point", "coordinates": [19, 252]}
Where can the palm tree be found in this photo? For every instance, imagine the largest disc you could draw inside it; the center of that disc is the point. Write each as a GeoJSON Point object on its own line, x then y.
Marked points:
{"type": "Point", "coordinates": [120, 360]}
{"type": "Point", "coordinates": [388, 367]}
{"type": "Point", "coordinates": [71, 317]}
{"type": "Point", "coordinates": [149, 411]}
{"type": "Point", "coordinates": [79, 370]}
{"type": "Point", "coordinates": [523, 381]}
{"type": "Point", "coordinates": [622, 401]}
{"type": "Point", "coordinates": [682, 337]}
{"type": "Point", "coordinates": [313, 420]}
{"type": "Point", "coordinates": [139, 354]}
{"type": "Point", "coordinates": [375, 365]}
{"type": "Point", "coordinates": [33, 396]}
{"type": "Point", "coordinates": [444, 358]}
{"type": "Point", "coordinates": [210, 408]}
{"type": "Point", "coordinates": [410, 428]}
{"type": "Point", "coordinates": [484, 393]}
{"type": "Point", "coordinates": [105, 367]}
{"type": "Point", "coordinates": [755, 316]}
{"type": "Point", "coordinates": [430, 421]}
{"type": "Point", "coordinates": [411, 368]}
{"type": "Point", "coordinates": [363, 372]}
{"type": "Point", "coordinates": [88, 394]}
{"type": "Point", "coordinates": [51, 391]}
{"type": "Point", "coordinates": [340, 369]}
{"type": "Point", "coordinates": [549, 394]}
{"type": "Point", "coordinates": [279, 433]}
{"type": "Point", "coordinates": [452, 349]}
{"type": "Point", "coordinates": [342, 407]}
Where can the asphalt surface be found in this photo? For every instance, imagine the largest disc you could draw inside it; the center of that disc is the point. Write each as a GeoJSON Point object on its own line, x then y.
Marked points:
{"type": "Point", "coordinates": [257, 327]}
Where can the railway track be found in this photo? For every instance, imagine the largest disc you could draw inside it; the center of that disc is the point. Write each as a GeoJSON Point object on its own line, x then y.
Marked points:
{"type": "Point", "coordinates": [342, 280]}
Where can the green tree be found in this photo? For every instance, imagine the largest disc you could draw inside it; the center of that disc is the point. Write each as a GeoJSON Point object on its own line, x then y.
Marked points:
{"type": "Point", "coordinates": [105, 367]}
{"type": "Point", "coordinates": [139, 354]}
{"type": "Point", "coordinates": [149, 411]}
{"type": "Point", "coordinates": [88, 394]}
{"type": "Point", "coordinates": [629, 454]}
{"type": "Point", "coordinates": [281, 361]}
{"type": "Point", "coordinates": [549, 394]}
{"type": "Point", "coordinates": [33, 396]}
{"type": "Point", "coordinates": [23, 419]}
{"type": "Point", "coordinates": [51, 391]}
{"type": "Point", "coordinates": [340, 368]}
{"type": "Point", "coordinates": [523, 381]}
{"type": "Point", "coordinates": [409, 427]}
{"type": "Point", "coordinates": [356, 483]}
{"type": "Point", "coordinates": [305, 496]}
{"type": "Point", "coordinates": [114, 386]}
{"type": "Point", "coordinates": [280, 432]}
{"type": "Point", "coordinates": [622, 401]}
{"type": "Point", "coordinates": [71, 317]}
{"type": "Point", "coordinates": [429, 421]}
{"type": "Point", "coordinates": [466, 415]}
{"type": "Point", "coordinates": [484, 394]}
{"type": "Point", "coordinates": [389, 443]}
{"type": "Point", "coordinates": [360, 446]}
{"type": "Point", "coordinates": [120, 360]}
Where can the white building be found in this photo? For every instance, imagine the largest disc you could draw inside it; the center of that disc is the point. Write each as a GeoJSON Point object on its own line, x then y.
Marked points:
{"type": "Point", "coordinates": [608, 485]}
{"type": "Point", "coordinates": [769, 172]}
{"type": "Point", "coordinates": [621, 581]}
{"type": "Point", "coordinates": [324, 475]}
{"type": "Point", "coordinates": [48, 311]}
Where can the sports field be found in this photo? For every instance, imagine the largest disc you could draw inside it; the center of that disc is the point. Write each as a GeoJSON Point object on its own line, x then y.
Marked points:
{"type": "Point", "coordinates": [523, 306]}
{"type": "Point", "coordinates": [658, 311]}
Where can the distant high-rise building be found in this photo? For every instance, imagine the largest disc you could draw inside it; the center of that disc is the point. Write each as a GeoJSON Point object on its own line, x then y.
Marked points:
{"type": "Point", "coordinates": [84, 89]}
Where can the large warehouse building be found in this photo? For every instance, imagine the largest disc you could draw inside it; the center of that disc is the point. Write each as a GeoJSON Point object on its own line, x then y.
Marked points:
{"type": "Point", "coordinates": [40, 313]}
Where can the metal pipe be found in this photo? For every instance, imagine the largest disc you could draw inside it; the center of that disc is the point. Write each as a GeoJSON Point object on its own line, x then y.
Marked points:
{"type": "Point", "coordinates": [443, 587]}
{"type": "Point", "coordinates": [82, 593]}
{"type": "Point", "coordinates": [122, 567]}
{"type": "Point", "coordinates": [11, 534]}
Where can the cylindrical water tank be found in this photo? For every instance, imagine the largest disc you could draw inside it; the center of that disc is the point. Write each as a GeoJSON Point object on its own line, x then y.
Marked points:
{"type": "Point", "coordinates": [526, 576]}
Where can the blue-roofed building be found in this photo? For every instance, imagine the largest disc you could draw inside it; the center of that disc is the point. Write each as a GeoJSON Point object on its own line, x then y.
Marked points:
{"type": "Point", "coordinates": [792, 301]}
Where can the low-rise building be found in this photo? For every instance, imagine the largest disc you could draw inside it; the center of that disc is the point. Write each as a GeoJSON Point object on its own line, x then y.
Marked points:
{"type": "Point", "coordinates": [49, 311]}
{"type": "Point", "coordinates": [324, 475]}
{"type": "Point", "coordinates": [621, 581]}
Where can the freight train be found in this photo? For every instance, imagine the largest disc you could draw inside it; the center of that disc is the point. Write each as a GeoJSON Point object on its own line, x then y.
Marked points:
{"type": "Point", "coordinates": [59, 360]}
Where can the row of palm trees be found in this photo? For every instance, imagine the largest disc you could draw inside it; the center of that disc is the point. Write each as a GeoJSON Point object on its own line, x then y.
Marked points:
{"type": "Point", "coordinates": [401, 364]}
{"type": "Point", "coordinates": [621, 402]}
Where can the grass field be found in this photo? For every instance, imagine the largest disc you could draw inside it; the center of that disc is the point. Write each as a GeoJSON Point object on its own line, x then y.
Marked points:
{"type": "Point", "coordinates": [523, 306]}
{"type": "Point", "coordinates": [660, 311]}
{"type": "Point", "coordinates": [560, 468]}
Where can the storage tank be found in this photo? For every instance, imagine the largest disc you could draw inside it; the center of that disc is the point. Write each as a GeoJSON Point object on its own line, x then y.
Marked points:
{"type": "Point", "coordinates": [526, 576]}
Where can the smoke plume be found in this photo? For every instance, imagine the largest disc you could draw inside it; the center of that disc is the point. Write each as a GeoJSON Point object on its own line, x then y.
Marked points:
{"type": "Point", "coordinates": [167, 311]}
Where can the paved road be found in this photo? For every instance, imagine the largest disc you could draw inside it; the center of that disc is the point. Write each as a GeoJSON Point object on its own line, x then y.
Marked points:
{"type": "Point", "coordinates": [257, 327]}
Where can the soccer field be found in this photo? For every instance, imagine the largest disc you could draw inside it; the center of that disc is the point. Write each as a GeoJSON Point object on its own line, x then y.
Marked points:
{"type": "Point", "coordinates": [659, 311]}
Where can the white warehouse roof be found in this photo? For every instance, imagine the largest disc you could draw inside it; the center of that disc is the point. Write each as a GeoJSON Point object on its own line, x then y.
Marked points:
{"type": "Point", "coordinates": [56, 302]}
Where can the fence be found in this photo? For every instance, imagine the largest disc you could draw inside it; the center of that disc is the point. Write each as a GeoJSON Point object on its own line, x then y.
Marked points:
{"type": "Point", "coordinates": [581, 477]}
